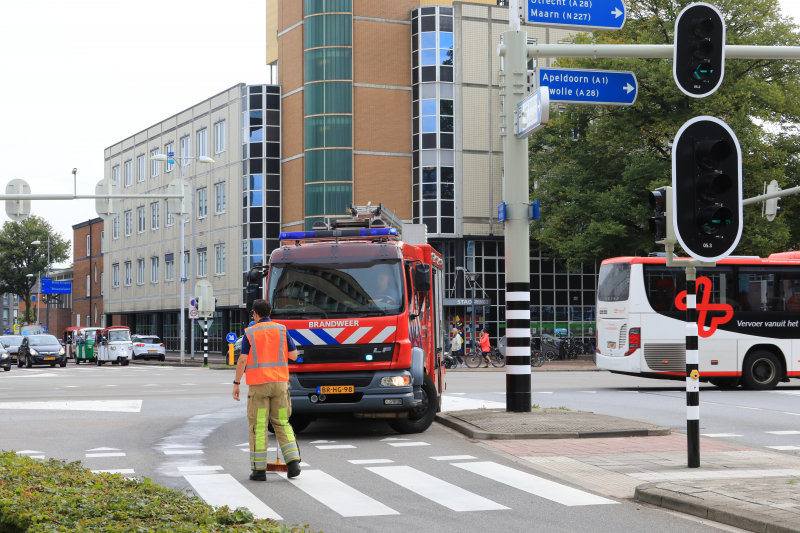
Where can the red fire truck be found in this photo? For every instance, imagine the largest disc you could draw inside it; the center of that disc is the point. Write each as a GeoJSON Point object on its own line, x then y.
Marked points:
{"type": "Point", "coordinates": [365, 311]}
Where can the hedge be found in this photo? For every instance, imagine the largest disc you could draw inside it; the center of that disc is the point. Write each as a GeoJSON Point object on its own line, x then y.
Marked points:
{"type": "Point", "coordinates": [47, 496]}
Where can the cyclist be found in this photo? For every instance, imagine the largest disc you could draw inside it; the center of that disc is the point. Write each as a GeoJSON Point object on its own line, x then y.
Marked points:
{"type": "Point", "coordinates": [486, 348]}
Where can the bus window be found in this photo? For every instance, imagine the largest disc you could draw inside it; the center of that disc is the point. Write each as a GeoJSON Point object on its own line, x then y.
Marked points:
{"type": "Point", "coordinates": [772, 289]}
{"type": "Point", "coordinates": [614, 282]}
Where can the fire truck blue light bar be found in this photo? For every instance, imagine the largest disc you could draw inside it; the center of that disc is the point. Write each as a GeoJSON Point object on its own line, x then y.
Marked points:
{"type": "Point", "coordinates": [328, 234]}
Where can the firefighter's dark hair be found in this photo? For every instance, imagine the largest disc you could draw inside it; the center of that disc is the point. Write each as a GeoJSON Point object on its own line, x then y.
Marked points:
{"type": "Point", "coordinates": [262, 308]}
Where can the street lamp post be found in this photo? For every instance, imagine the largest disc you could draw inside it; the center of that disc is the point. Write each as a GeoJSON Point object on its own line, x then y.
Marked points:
{"type": "Point", "coordinates": [39, 297]}
{"type": "Point", "coordinates": [184, 162]}
{"type": "Point", "coordinates": [47, 311]}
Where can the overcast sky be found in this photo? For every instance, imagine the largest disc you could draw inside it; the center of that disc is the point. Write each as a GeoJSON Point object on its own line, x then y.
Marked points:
{"type": "Point", "coordinates": [81, 75]}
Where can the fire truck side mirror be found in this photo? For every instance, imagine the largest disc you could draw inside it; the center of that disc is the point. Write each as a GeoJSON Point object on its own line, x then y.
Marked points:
{"type": "Point", "coordinates": [422, 277]}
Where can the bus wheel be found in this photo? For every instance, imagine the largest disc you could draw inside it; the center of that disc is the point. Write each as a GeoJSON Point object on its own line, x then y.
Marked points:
{"type": "Point", "coordinates": [762, 371]}
{"type": "Point", "coordinates": [724, 383]}
{"type": "Point", "coordinates": [421, 418]}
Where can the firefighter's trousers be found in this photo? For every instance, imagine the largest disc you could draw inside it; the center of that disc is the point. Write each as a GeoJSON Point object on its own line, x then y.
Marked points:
{"type": "Point", "coordinates": [270, 401]}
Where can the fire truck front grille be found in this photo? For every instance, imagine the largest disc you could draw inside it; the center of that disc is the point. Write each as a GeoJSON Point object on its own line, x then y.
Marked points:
{"type": "Point", "coordinates": [351, 353]}
{"type": "Point", "coordinates": [312, 381]}
{"type": "Point", "coordinates": [665, 357]}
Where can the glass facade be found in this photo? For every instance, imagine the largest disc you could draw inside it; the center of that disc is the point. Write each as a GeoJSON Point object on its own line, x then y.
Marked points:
{"type": "Point", "coordinates": [328, 108]}
{"type": "Point", "coordinates": [261, 180]}
{"type": "Point", "coordinates": [432, 119]}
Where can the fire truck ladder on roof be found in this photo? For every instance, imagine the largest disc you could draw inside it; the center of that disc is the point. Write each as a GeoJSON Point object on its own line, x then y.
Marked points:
{"type": "Point", "coordinates": [380, 212]}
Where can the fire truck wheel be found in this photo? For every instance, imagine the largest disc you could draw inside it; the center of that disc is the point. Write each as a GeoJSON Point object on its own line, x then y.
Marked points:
{"type": "Point", "coordinates": [419, 419]}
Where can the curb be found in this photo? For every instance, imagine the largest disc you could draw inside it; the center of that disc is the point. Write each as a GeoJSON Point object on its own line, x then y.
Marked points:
{"type": "Point", "coordinates": [472, 432]}
{"type": "Point", "coordinates": [648, 493]}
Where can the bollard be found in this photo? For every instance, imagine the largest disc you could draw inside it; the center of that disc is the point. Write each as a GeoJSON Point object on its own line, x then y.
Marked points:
{"type": "Point", "coordinates": [230, 354]}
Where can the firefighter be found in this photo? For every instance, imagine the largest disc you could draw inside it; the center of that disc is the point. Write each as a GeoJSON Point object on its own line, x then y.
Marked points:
{"type": "Point", "coordinates": [266, 372]}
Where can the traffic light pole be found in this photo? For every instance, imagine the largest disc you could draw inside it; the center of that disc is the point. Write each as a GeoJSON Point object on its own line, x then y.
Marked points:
{"type": "Point", "coordinates": [692, 376]}
{"type": "Point", "coordinates": [205, 342]}
{"type": "Point", "coordinates": [513, 90]}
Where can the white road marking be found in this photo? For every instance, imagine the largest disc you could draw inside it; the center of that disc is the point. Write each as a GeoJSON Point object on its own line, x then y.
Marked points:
{"type": "Point", "coordinates": [795, 414]}
{"type": "Point", "coordinates": [36, 456]}
{"type": "Point", "coordinates": [784, 432]}
{"type": "Point", "coordinates": [457, 393]}
{"type": "Point", "coordinates": [336, 447]}
{"type": "Point", "coordinates": [247, 450]}
{"type": "Point", "coordinates": [110, 385]}
{"type": "Point", "coordinates": [321, 442]}
{"type": "Point", "coordinates": [784, 448]}
{"type": "Point", "coordinates": [531, 484]}
{"type": "Point", "coordinates": [199, 468]}
{"type": "Point", "coordinates": [103, 450]}
{"type": "Point", "coordinates": [188, 384]}
{"type": "Point", "coordinates": [435, 489]}
{"type": "Point", "coordinates": [151, 385]}
{"type": "Point", "coordinates": [450, 403]}
{"type": "Point", "coordinates": [369, 461]}
{"type": "Point", "coordinates": [120, 471]}
{"type": "Point", "coordinates": [72, 386]}
{"type": "Point", "coordinates": [27, 452]}
{"type": "Point", "coordinates": [334, 494]}
{"type": "Point", "coordinates": [106, 454]}
{"type": "Point", "coordinates": [183, 452]}
{"type": "Point", "coordinates": [45, 375]}
{"type": "Point", "coordinates": [391, 439]}
{"type": "Point", "coordinates": [588, 391]}
{"type": "Point", "coordinates": [302, 463]}
{"type": "Point", "coordinates": [244, 444]}
{"type": "Point", "coordinates": [715, 435]}
{"type": "Point", "coordinates": [118, 406]}
{"type": "Point", "coordinates": [792, 392]}
{"type": "Point", "coordinates": [452, 457]}
{"type": "Point", "coordinates": [751, 408]}
{"type": "Point", "coordinates": [403, 444]}
{"type": "Point", "coordinates": [223, 489]}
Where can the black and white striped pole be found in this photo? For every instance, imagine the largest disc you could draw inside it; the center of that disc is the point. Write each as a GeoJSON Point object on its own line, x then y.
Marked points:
{"type": "Point", "coordinates": [205, 342]}
{"type": "Point", "coordinates": [692, 371]}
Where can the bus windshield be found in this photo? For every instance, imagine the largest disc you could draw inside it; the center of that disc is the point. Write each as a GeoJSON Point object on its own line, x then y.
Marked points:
{"type": "Point", "coordinates": [355, 289]}
{"type": "Point", "coordinates": [614, 282]}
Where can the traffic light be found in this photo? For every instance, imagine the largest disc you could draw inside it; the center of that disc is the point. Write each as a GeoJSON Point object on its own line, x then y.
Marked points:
{"type": "Point", "coordinates": [699, 54]}
{"type": "Point", "coordinates": [707, 188]}
{"type": "Point", "coordinates": [253, 291]}
{"type": "Point", "coordinates": [205, 301]}
{"type": "Point", "coordinates": [771, 206]}
{"type": "Point", "coordinates": [661, 222]}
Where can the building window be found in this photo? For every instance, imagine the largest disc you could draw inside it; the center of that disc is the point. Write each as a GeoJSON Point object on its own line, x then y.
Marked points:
{"type": "Point", "coordinates": [170, 218]}
{"type": "Point", "coordinates": [88, 285]}
{"type": "Point", "coordinates": [115, 173]}
{"type": "Point", "coordinates": [201, 263]}
{"type": "Point", "coordinates": [219, 198]}
{"type": "Point", "coordinates": [95, 272]}
{"type": "Point", "coordinates": [103, 321]}
{"type": "Point", "coordinates": [167, 149]}
{"type": "Point", "coordinates": [128, 223]}
{"type": "Point", "coordinates": [202, 202]}
{"type": "Point", "coordinates": [128, 173]}
{"type": "Point", "coordinates": [141, 168]}
{"type": "Point", "coordinates": [219, 137]}
{"type": "Point", "coordinates": [185, 264]}
{"type": "Point", "coordinates": [128, 273]}
{"type": "Point", "coordinates": [219, 259]}
{"type": "Point", "coordinates": [5, 316]}
{"type": "Point", "coordinates": [102, 242]}
{"type": "Point", "coordinates": [140, 219]}
{"type": "Point", "coordinates": [115, 228]}
{"type": "Point", "coordinates": [169, 270]}
{"type": "Point", "coordinates": [88, 246]}
{"type": "Point", "coordinates": [154, 269]}
{"type": "Point", "coordinates": [202, 146]}
{"type": "Point", "coordinates": [186, 150]}
{"type": "Point", "coordinates": [154, 165]}
{"type": "Point", "coordinates": [154, 221]}
{"type": "Point", "coordinates": [103, 283]}
{"type": "Point", "coordinates": [140, 271]}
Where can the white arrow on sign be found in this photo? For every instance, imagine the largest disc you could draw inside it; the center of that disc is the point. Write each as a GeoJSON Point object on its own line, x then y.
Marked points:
{"type": "Point", "coordinates": [628, 88]}
{"type": "Point", "coordinates": [616, 12]}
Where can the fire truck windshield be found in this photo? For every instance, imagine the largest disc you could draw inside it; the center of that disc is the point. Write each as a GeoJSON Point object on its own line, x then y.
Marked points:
{"type": "Point", "coordinates": [356, 289]}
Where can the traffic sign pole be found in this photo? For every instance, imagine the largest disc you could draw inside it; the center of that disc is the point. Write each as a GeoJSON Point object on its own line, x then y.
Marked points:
{"type": "Point", "coordinates": [692, 375]}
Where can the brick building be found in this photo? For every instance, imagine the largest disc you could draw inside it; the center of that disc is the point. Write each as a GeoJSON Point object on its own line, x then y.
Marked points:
{"type": "Point", "coordinates": [87, 286]}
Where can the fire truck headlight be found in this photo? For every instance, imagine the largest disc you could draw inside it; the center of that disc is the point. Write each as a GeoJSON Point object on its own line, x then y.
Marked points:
{"type": "Point", "coordinates": [395, 381]}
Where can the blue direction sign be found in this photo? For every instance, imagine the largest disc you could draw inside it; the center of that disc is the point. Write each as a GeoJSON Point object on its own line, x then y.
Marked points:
{"type": "Point", "coordinates": [579, 14]}
{"type": "Point", "coordinates": [56, 287]}
{"type": "Point", "coordinates": [501, 212]}
{"type": "Point", "coordinates": [230, 337]}
{"type": "Point", "coordinates": [593, 87]}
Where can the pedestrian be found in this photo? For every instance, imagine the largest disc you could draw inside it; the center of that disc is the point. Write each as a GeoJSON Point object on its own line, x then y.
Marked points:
{"type": "Point", "coordinates": [456, 347]}
{"type": "Point", "coordinates": [486, 348]}
{"type": "Point", "coordinates": [266, 372]}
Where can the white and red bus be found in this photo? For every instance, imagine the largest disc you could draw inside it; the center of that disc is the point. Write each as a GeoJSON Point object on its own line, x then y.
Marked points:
{"type": "Point", "coordinates": [641, 325]}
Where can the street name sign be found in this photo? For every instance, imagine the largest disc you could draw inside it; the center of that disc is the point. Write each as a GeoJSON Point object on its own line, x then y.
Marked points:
{"type": "Point", "coordinates": [467, 301]}
{"type": "Point", "coordinates": [592, 87]}
{"type": "Point", "coordinates": [579, 14]}
{"type": "Point", "coordinates": [533, 113]}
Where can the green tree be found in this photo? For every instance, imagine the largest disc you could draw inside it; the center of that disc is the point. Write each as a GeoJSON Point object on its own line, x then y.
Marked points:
{"type": "Point", "coordinates": [18, 257]}
{"type": "Point", "coordinates": [593, 166]}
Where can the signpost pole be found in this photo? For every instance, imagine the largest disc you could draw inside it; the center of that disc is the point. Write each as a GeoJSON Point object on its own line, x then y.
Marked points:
{"type": "Point", "coordinates": [513, 89]}
{"type": "Point", "coordinates": [205, 342]}
{"type": "Point", "coordinates": [692, 377]}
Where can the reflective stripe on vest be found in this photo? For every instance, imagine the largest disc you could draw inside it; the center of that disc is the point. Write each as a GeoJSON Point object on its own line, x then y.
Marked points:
{"type": "Point", "coordinates": [267, 361]}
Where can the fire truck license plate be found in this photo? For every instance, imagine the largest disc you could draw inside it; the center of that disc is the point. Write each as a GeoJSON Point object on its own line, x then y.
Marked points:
{"type": "Point", "coordinates": [336, 389]}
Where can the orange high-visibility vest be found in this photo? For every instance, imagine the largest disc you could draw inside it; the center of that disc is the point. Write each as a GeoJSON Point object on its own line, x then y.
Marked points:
{"type": "Point", "coordinates": [267, 361]}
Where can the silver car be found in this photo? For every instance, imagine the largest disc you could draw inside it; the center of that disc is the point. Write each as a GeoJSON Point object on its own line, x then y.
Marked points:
{"type": "Point", "coordinates": [148, 347]}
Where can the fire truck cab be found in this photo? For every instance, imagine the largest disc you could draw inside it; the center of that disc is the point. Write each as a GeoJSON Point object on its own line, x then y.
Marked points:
{"type": "Point", "coordinates": [364, 309]}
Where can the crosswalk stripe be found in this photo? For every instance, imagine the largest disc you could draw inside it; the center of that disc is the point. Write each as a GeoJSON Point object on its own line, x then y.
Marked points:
{"type": "Point", "coordinates": [531, 484]}
{"type": "Point", "coordinates": [452, 457]}
{"type": "Point", "coordinates": [435, 489]}
{"type": "Point", "coordinates": [403, 444]}
{"type": "Point", "coordinates": [199, 468]}
{"type": "Point", "coordinates": [341, 498]}
{"type": "Point", "coordinates": [120, 471]}
{"type": "Point", "coordinates": [223, 489]}
{"type": "Point", "coordinates": [183, 452]}
{"type": "Point", "coordinates": [336, 447]}
{"type": "Point", "coordinates": [369, 461]}
{"type": "Point", "coordinates": [106, 454]}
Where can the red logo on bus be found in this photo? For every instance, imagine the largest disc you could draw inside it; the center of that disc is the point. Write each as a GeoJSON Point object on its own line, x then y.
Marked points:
{"type": "Point", "coordinates": [704, 307]}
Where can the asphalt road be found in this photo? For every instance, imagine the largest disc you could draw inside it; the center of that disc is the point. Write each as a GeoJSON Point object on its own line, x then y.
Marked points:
{"type": "Point", "coordinates": [181, 428]}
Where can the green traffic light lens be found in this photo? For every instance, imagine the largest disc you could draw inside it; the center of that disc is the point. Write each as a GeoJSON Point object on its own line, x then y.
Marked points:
{"type": "Point", "coordinates": [701, 71]}
{"type": "Point", "coordinates": [712, 219]}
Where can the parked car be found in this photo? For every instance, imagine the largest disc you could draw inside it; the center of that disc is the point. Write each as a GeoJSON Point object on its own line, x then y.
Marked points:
{"type": "Point", "coordinates": [11, 343]}
{"type": "Point", "coordinates": [5, 359]}
{"type": "Point", "coordinates": [148, 347]}
{"type": "Point", "coordinates": [41, 350]}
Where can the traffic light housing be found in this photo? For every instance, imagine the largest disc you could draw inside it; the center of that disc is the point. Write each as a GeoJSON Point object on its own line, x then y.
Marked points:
{"type": "Point", "coordinates": [205, 303]}
{"type": "Point", "coordinates": [707, 188]}
{"type": "Point", "coordinates": [661, 221]}
{"type": "Point", "coordinates": [253, 291]}
{"type": "Point", "coordinates": [699, 55]}
{"type": "Point", "coordinates": [771, 206]}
